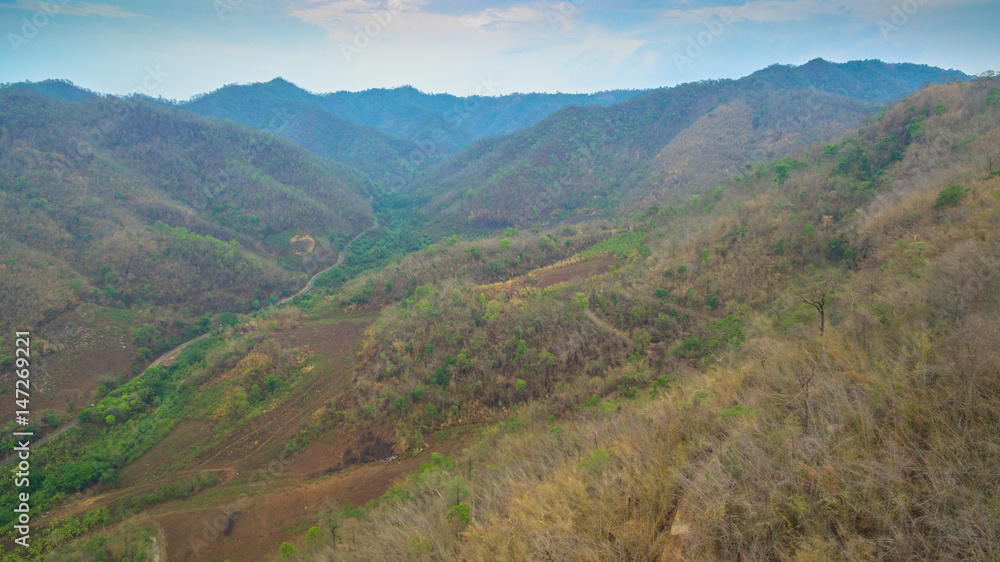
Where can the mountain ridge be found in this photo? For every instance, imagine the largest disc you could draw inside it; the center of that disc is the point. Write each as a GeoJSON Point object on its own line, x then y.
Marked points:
{"type": "Point", "coordinates": [596, 157]}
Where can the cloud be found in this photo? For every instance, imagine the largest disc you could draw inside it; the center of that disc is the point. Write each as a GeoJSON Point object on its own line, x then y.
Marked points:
{"type": "Point", "coordinates": [340, 17]}
{"type": "Point", "coordinates": [784, 11]}
{"type": "Point", "coordinates": [64, 7]}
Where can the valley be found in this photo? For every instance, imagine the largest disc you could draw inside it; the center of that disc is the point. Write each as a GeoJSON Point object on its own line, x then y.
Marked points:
{"type": "Point", "coordinates": [740, 319]}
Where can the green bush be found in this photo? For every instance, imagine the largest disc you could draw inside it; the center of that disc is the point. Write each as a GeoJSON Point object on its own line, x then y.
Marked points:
{"type": "Point", "coordinates": [417, 393]}
{"type": "Point", "coordinates": [459, 513]}
{"type": "Point", "coordinates": [950, 195]}
{"type": "Point", "coordinates": [691, 348]}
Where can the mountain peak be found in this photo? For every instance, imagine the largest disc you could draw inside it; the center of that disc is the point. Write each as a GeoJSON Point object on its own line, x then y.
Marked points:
{"type": "Point", "coordinates": [58, 88]}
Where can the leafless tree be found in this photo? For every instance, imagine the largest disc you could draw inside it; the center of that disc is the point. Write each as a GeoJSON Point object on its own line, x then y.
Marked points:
{"type": "Point", "coordinates": [815, 295]}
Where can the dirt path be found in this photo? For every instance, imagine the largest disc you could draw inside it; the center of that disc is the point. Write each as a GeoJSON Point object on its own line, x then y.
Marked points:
{"type": "Point", "coordinates": [170, 355]}
{"type": "Point", "coordinates": [676, 527]}
{"type": "Point", "coordinates": [605, 326]}
{"type": "Point", "coordinates": [62, 429]}
{"type": "Point", "coordinates": [173, 353]}
{"type": "Point", "coordinates": [340, 261]}
{"type": "Point", "coordinates": [109, 497]}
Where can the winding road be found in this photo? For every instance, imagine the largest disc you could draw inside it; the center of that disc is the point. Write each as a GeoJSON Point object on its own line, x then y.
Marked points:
{"type": "Point", "coordinates": [340, 261]}
{"type": "Point", "coordinates": [177, 350]}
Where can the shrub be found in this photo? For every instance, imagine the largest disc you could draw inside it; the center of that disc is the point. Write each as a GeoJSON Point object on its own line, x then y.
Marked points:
{"type": "Point", "coordinates": [691, 348]}
{"type": "Point", "coordinates": [712, 301]}
{"type": "Point", "coordinates": [417, 393]}
{"type": "Point", "coordinates": [313, 536]}
{"type": "Point", "coordinates": [781, 170]}
{"type": "Point", "coordinates": [441, 377]}
{"type": "Point", "coordinates": [597, 462]}
{"type": "Point", "coordinates": [459, 513]}
{"type": "Point", "coordinates": [950, 195]}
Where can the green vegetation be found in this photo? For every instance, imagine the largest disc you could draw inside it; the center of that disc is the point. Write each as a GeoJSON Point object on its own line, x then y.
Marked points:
{"type": "Point", "coordinates": [746, 374]}
{"type": "Point", "coordinates": [622, 245]}
{"type": "Point", "coordinates": [603, 160]}
{"type": "Point", "coordinates": [671, 404]}
{"type": "Point", "coordinates": [950, 195]}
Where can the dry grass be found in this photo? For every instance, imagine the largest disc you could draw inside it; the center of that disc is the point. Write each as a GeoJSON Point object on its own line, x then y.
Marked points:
{"type": "Point", "coordinates": [875, 441]}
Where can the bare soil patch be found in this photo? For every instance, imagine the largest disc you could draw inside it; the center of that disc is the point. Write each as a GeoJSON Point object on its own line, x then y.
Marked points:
{"type": "Point", "coordinates": [265, 517]}
{"type": "Point", "coordinates": [165, 454]}
{"type": "Point", "coordinates": [574, 272]}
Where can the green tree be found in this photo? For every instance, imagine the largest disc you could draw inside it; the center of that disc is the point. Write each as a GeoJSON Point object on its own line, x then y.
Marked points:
{"type": "Point", "coordinates": [313, 536]}
{"type": "Point", "coordinates": [781, 170]}
{"type": "Point", "coordinates": [950, 195]}
{"type": "Point", "coordinates": [459, 514]}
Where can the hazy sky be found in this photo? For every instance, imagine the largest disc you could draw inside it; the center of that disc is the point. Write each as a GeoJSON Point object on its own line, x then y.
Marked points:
{"type": "Point", "coordinates": [177, 48]}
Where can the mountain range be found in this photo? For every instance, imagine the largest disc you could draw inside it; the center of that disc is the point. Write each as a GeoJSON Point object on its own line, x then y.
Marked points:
{"type": "Point", "coordinates": [749, 318]}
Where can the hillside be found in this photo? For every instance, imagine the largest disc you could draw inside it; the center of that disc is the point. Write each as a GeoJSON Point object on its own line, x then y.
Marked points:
{"type": "Point", "coordinates": [149, 221]}
{"type": "Point", "coordinates": [799, 362]}
{"type": "Point", "coordinates": [626, 156]}
{"type": "Point", "coordinates": [287, 111]}
{"type": "Point", "coordinates": [451, 122]}
{"type": "Point", "coordinates": [439, 123]}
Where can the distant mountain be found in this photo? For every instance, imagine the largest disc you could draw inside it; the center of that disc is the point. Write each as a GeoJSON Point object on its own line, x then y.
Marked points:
{"type": "Point", "coordinates": [449, 122]}
{"type": "Point", "coordinates": [58, 89]}
{"type": "Point", "coordinates": [666, 141]}
{"type": "Point", "coordinates": [386, 133]}
{"type": "Point", "coordinates": [869, 80]}
{"type": "Point", "coordinates": [119, 201]}
{"type": "Point", "coordinates": [290, 112]}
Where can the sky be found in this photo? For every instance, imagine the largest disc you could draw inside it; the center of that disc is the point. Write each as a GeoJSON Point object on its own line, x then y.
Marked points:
{"type": "Point", "coordinates": [180, 48]}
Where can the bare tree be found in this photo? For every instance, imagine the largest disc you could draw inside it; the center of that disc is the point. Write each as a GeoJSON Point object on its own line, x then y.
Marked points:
{"type": "Point", "coordinates": [816, 295]}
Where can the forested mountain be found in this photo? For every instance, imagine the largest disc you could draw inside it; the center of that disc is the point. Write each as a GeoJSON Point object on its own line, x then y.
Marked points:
{"type": "Point", "coordinates": [290, 112]}
{"type": "Point", "coordinates": [801, 362]}
{"type": "Point", "coordinates": [59, 89]}
{"type": "Point", "coordinates": [665, 141]}
{"type": "Point", "coordinates": [439, 123]}
{"type": "Point", "coordinates": [118, 201]}
{"type": "Point", "coordinates": [450, 122]}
